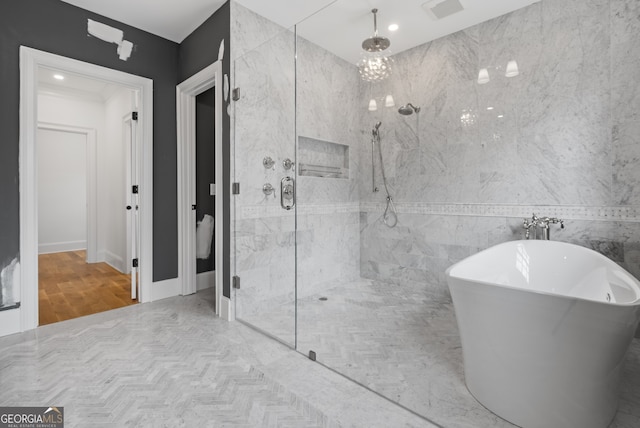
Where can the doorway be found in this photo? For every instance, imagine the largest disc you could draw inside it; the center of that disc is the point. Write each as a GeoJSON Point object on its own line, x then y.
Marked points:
{"type": "Point", "coordinates": [140, 90]}
{"type": "Point", "coordinates": [205, 86]}
{"type": "Point", "coordinates": [85, 167]}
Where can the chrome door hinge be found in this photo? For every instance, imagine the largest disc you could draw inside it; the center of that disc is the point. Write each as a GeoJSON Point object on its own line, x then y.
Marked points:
{"type": "Point", "coordinates": [235, 94]}
{"type": "Point", "coordinates": [134, 115]}
{"type": "Point", "coordinates": [235, 189]}
{"type": "Point", "coordinates": [236, 282]}
{"type": "Point", "coordinates": [134, 262]}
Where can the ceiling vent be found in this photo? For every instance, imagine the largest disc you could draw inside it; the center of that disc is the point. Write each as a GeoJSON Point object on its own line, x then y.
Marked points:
{"type": "Point", "coordinates": [438, 9]}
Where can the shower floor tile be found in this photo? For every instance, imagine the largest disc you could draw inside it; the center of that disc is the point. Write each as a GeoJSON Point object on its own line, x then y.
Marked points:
{"type": "Point", "coordinates": [403, 343]}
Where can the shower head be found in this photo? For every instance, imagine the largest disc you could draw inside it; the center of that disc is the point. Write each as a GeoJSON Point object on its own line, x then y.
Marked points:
{"type": "Point", "coordinates": [408, 109]}
{"type": "Point", "coordinates": [374, 131]}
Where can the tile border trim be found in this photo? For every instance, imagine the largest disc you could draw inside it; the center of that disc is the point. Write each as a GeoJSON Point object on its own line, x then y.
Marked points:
{"type": "Point", "coordinates": [599, 213]}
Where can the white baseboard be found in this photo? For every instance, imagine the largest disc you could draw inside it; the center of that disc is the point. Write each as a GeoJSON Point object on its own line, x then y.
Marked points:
{"type": "Point", "coordinates": [10, 322]}
{"type": "Point", "coordinates": [226, 309]}
{"type": "Point", "coordinates": [205, 280]}
{"type": "Point", "coordinates": [164, 289]}
{"type": "Point", "coordinates": [115, 262]}
{"type": "Point", "coordinates": [60, 247]}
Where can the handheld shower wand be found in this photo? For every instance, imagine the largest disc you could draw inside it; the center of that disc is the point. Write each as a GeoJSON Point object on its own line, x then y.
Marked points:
{"type": "Point", "coordinates": [375, 134]}
{"type": "Point", "coordinates": [390, 210]}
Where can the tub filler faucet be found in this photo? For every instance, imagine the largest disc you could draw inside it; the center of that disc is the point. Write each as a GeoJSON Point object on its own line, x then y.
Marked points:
{"type": "Point", "coordinates": [542, 222]}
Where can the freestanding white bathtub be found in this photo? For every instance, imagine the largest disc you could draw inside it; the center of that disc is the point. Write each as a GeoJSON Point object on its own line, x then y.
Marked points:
{"type": "Point", "coordinates": [545, 327]}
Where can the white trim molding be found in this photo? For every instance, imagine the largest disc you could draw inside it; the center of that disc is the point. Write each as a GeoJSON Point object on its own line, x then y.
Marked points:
{"type": "Point", "coordinates": [186, 92]}
{"type": "Point", "coordinates": [30, 61]}
{"type": "Point", "coordinates": [226, 309]}
{"type": "Point", "coordinates": [165, 289]}
{"type": "Point", "coordinates": [205, 280]}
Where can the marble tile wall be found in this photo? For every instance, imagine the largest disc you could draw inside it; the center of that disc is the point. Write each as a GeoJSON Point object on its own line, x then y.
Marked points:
{"type": "Point", "coordinates": [560, 138]}
{"type": "Point", "coordinates": [263, 249]}
{"type": "Point", "coordinates": [269, 115]}
{"type": "Point", "coordinates": [327, 110]}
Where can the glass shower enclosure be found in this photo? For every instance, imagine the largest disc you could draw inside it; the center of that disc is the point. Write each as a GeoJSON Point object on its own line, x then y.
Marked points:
{"type": "Point", "coordinates": [264, 228]}
{"type": "Point", "coordinates": [319, 268]}
{"type": "Point", "coordinates": [302, 157]}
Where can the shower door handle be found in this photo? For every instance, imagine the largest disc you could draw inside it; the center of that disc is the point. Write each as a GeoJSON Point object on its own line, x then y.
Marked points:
{"type": "Point", "coordinates": [287, 193]}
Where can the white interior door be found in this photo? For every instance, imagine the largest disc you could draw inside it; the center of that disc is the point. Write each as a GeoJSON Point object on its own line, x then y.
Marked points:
{"type": "Point", "coordinates": [62, 191]}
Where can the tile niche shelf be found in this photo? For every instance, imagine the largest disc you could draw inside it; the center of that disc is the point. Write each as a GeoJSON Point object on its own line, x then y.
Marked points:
{"type": "Point", "coordinates": [323, 159]}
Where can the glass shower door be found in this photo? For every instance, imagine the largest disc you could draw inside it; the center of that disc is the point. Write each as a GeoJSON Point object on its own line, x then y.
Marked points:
{"type": "Point", "coordinates": [265, 223]}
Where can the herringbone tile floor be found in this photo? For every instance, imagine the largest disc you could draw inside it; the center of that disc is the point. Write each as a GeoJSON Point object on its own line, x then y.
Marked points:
{"type": "Point", "coordinates": [403, 343]}
{"type": "Point", "coordinates": [172, 363]}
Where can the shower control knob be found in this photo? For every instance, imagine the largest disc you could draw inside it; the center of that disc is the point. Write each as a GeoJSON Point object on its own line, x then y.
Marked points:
{"type": "Point", "coordinates": [287, 191]}
{"type": "Point", "coordinates": [287, 164]}
{"type": "Point", "coordinates": [268, 162]}
{"type": "Point", "coordinates": [268, 189]}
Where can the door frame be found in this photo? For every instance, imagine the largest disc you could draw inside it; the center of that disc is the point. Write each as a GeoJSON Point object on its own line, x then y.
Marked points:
{"type": "Point", "coordinates": [30, 60]}
{"type": "Point", "coordinates": [127, 125]}
{"type": "Point", "coordinates": [92, 182]}
{"type": "Point", "coordinates": [186, 92]}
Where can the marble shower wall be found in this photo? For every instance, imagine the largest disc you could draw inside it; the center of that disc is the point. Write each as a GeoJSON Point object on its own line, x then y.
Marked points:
{"type": "Point", "coordinates": [263, 234]}
{"type": "Point", "coordinates": [328, 207]}
{"type": "Point", "coordinates": [560, 139]}
{"type": "Point", "coordinates": [266, 122]}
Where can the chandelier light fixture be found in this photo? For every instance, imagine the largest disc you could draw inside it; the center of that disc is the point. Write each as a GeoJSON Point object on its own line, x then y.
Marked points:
{"type": "Point", "coordinates": [374, 64]}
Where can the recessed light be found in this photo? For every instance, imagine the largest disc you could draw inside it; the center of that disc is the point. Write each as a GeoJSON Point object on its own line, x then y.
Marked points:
{"type": "Point", "coordinates": [58, 76]}
{"type": "Point", "coordinates": [500, 116]}
{"type": "Point", "coordinates": [393, 27]}
{"type": "Point", "coordinates": [489, 108]}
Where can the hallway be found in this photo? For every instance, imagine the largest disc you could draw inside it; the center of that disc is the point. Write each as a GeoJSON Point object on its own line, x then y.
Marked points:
{"type": "Point", "coordinates": [68, 287]}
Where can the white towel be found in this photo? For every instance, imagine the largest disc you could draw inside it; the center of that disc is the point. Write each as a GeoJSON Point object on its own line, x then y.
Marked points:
{"type": "Point", "coordinates": [204, 236]}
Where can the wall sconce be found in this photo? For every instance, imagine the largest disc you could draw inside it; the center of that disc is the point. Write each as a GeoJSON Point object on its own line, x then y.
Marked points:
{"type": "Point", "coordinates": [388, 101]}
{"type": "Point", "coordinates": [512, 69]}
{"type": "Point", "coordinates": [483, 76]}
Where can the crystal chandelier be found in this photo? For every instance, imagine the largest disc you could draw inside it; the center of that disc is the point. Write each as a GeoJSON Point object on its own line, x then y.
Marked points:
{"type": "Point", "coordinates": [374, 65]}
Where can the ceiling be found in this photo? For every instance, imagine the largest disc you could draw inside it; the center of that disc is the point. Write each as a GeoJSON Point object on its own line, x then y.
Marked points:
{"type": "Point", "coordinates": [74, 85]}
{"type": "Point", "coordinates": [342, 26]}
{"type": "Point", "coordinates": [339, 26]}
{"type": "Point", "coordinates": [171, 19]}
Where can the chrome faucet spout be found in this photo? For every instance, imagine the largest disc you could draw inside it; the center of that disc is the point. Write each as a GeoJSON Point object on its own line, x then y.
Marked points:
{"type": "Point", "coordinates": [542, 222]}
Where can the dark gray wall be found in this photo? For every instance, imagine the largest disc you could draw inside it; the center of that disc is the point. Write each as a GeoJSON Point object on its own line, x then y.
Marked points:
{"type": "Point", "coordinates": [197, 51]}
{"type": "Point", "coordinates": [205, 167]}
{"type": "Point", "coordinates": [59, 28]}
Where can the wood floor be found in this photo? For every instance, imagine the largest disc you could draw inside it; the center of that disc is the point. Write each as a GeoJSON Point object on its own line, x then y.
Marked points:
{"type": "Point", "coordinates": [68, 287]}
